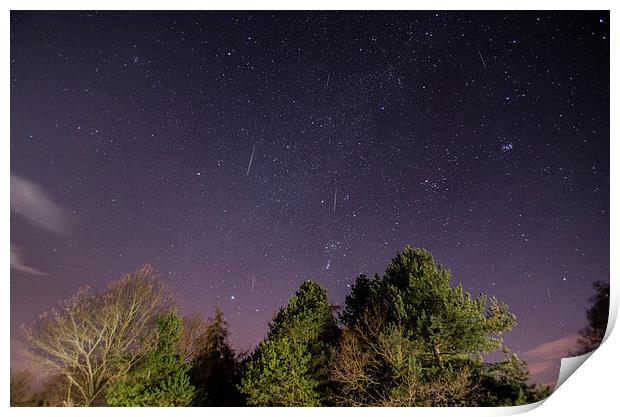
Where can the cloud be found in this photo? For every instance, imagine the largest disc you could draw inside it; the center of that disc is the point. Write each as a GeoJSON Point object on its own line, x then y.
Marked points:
{"type": "Point", "coordinates": [18, 264]}
{"type": "Point", "coordinates": [554, 349]}
{"type": "Point", "coordinates": [32, 203]}
{"type": "Point", "coordinates": [544, 360]}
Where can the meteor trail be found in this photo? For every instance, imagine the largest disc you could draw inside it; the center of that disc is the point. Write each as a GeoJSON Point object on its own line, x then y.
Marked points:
{"type": "Point", "coordinates": [253, 283]}
{"type": "Point", "coordinates": [250, 164]}
{"type": "Point", "coordinates": [335, 193]}
{"type": "Point", "coordinates": [549, 294]}
{"type": "Point", "coordinates": [481, 58]}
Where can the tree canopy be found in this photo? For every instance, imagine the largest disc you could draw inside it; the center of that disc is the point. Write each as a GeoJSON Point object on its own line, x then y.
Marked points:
{"type": "Point", "coordinates": [160, 378]}
{"type": "Point", "coordinates": [408, 337]}
{"type": "Point", "coordinates": [413, 339]}
{"type": "Point", "coordinates": [290, 367]}
{"type": "Point", "coordinates": [93, 338]}
{"type": "Point", "coordinates": [592, 335]}
{"type": "Point", "coordinates": [215, 370]}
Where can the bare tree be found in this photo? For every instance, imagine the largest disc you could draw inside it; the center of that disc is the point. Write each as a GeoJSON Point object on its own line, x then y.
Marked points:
{"type": "Point", "coordinates": [54, 391]}
{"type": "Point", "coordinates": [22, 394]}
{"type": "Point", "coordinates": [92, 339]}
{"type": "Point", "coordinates": [194, 336]}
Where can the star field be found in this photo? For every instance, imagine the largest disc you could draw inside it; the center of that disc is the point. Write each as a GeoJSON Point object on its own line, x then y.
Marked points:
{"type": "Point", "coordinates": [243, 153]}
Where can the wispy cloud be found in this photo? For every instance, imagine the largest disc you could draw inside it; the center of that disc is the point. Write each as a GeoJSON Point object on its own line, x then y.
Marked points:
{"type": "Point", "coordinates": [31, 202]}
{"type": "Point", "coordinates": [543, 360]}
{"type": "Point", "coordinates": [554, 349]}
{"type": "Point", "coordinates": [18, 264]}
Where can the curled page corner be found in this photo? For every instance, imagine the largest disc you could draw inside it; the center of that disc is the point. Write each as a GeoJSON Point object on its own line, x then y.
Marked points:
{"type": "Point", "coordinates": [520, 409]}
{"type": "Point", "coordinates": [568, 366]}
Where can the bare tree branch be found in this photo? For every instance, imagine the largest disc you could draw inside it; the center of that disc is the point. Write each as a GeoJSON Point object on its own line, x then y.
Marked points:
{"type": "Point", "coordinates": [94, 338]}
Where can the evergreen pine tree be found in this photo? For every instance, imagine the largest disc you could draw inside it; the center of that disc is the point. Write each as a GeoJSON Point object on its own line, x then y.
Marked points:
{"type": "Point", "coordinates": [412, 339]}
{"type": "Point", "coordinates": [214, 371]}
{"type": "Point", "coordinates": [290, 367]}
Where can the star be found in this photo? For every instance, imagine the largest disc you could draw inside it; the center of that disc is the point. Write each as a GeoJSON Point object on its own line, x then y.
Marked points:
{"type": "Point", "coordinates": [507, 147]}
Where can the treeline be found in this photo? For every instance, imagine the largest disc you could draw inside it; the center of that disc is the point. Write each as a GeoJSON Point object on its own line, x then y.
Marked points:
{"type": "Point", "coordinates": [407, 338]}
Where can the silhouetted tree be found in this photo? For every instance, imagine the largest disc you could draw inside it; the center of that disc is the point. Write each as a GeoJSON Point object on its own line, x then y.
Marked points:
{"type": "Point", "coordinates": [290, 367]}
{"type": "Point", "coordinates": [357, 301]}
{"type": "Point", "coordinates": [592, 336]}
{"type": "Point", "coordinates": [215, 371]}
{"type": "Point", "coordinates": [160, 378]}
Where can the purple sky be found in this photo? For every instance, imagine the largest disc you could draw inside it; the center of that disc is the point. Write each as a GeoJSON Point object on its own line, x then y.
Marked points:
{"type": "Point", "coordinates": [242, 153]}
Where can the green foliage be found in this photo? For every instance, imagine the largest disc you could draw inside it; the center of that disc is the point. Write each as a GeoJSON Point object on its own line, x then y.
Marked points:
{"type": "Point", "coordinates": [410, 338]}
{"type": "Point", "coordinates": [413, 339]}
{"type": "Point", "coordinates": [214, 371]}
{"type": "Point", "coordinates": [160, 378]}
{"type": "Point", "coordinates": [281, 376]}
{"type": "Point", "coordinates": [289, 368]}
{"type": "Point", "coordinates": [445, 320]}
{"type": "Point", "coordinates": [356, 302]}
{"type": "Point", "coordinates": [598, 314]}
{"type": "Point", "coordinates": [505, 383]}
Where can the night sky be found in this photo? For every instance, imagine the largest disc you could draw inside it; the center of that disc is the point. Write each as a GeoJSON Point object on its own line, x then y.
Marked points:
{"type": "Point", "coordinates": [243, 153]}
